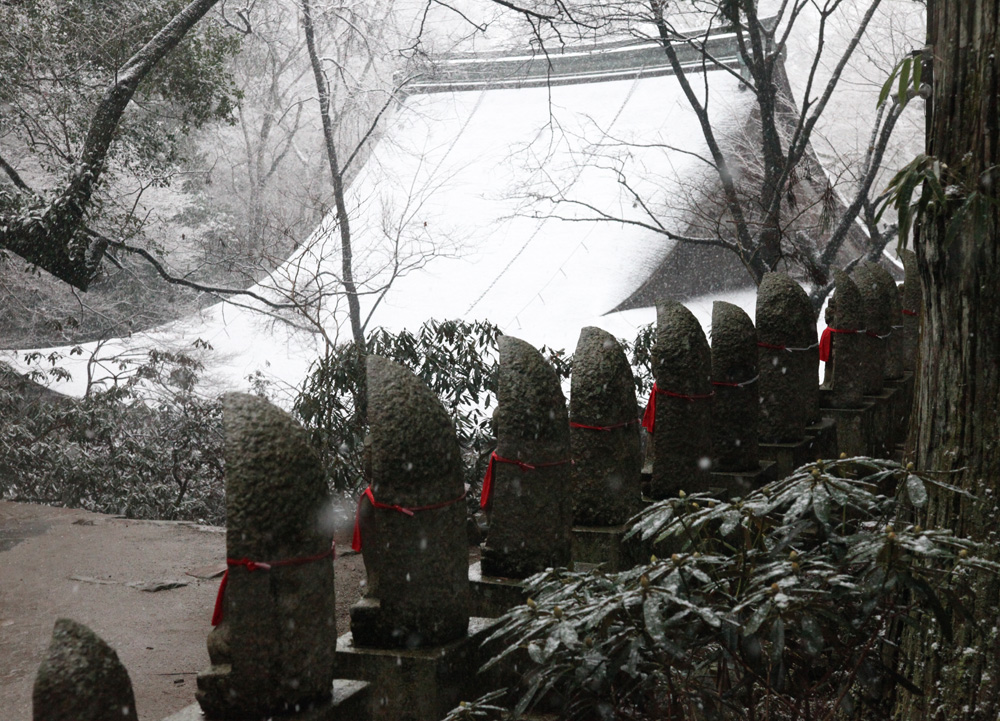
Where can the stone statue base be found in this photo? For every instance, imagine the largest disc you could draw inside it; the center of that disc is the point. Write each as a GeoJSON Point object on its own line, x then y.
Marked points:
{"type": "Point", "coordinates": [824, 435]}
{"type": "Point", "coordinates": [602, 546]}
{"type": "Point", "coordinates": [492, 596]}
{"type": "Point", "coordinates": [902, 404]}
{"type": "Point", "coordinates": [885, 431]}
{"type": "Point", "coordinates": [855, 426]}
{"type": "Point", "coordinates": [421, 684]}
{"type": "Point", "coordinates": [349, 702]}
{"type": "Point", "coordinates": [726, 485]}
{"type": "Point", "coordinates": [789, 456]}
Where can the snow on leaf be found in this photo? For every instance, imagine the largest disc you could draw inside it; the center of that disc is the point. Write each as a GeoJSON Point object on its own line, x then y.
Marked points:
{"type": "Point", "coordinates": [916, 490]}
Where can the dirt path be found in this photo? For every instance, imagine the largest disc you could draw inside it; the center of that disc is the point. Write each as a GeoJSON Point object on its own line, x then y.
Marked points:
{"type": "Point", "coordinates": [57, 562]}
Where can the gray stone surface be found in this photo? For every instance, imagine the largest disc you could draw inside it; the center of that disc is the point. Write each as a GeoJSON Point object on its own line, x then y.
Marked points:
{"type": "Point", "coordinates": [531, 511]}
{"type": "Point", "coordinates": [81, 679]}
{"type": "Point", "coordinates": [878, 323]}
{"type": "Point", "coordinates": [274, 648]}
{"type": "Point", "coordinates": [418, 684]}
{"type": "Point", "coordinates": [789, 379]}
{"type": "Point", "coordinates": [349, 701]}
{"type": "Point", "coordinates": [418, 586]}
{"type": "Point", "coordinates": [682, 437]}
{"type": "Point", "coordinates": [913, 302]}
{"type": "Point", "coordinates": [608, 462]}
{"type": "Point", "coordinates": [735, 408]}
{"type": "Point", "coordinates": [844, 372]}
{"type": "Point", "coordinates": [893, 369]}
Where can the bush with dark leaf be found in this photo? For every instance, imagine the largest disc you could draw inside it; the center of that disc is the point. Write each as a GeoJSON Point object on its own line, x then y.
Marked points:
{"type": "Point", "coordinates": [782, 605]}
{"type": "Point", "coordinates": [456, 359]}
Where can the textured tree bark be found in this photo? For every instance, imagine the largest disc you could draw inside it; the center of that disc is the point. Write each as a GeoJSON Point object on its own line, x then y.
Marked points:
{"type": "Point", "coordinates": [956, 426]}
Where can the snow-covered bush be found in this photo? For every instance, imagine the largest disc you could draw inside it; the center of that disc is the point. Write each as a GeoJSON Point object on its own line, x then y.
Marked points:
{"type": "Point", "coordinates": [115, 451]}
{"type": "Point", "coordinates": [782, 605]}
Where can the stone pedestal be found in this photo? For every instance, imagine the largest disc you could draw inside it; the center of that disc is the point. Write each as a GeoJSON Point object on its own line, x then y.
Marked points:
{"type": "Point", "coordinates": [902, 404]}
{"type": "Point", "coordinates": [726, 485]}
{"type": "Point", "coordinates": [492, 596]}
{"type": "Point", "coordinates": [602, 546]}
{"type": "Point", "coordinates": [855, 427]}
{"type": "Point", "coordinates": [789, 456]}
{"type": "Point", "coordinates": [824, 438]}
{"type": "Point", "coordinates": [348, 702]}
{"type": "Point", "coordinates": [884, 431]}
{"type": "Point", "coordinates": [418, 685]}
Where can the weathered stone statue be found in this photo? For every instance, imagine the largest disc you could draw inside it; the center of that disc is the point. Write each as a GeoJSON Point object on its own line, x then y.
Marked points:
{"type": "Point", "coordinates": [81, 679]}
{"type": "Point", "coordinates": [913, 303]}
{"type": "Point", "coordinates": [528, 498]}
{"type": "Point", "coordinates": [413, 540]}
{"type": "Point", "coordinates": [888, 291]}
{"type": "Point", "coordinates": [273, 646]}
{"type": "Point", "coordinates": [787, 358]}
{"type": "Point", "coordinates": [734, 378]}
{"type": "Point", "coordinates": [681, 403]}
{"type": "Point", "coordinates": [845, 318]}
{"type": "Point", "coordinates": [878, 324]}
{"type": "Point", "coordinates": [604, 432]}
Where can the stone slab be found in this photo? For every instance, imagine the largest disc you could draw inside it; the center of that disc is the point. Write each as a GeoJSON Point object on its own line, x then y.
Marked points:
{"type": "Point", "coordinates": [885, 430]}
{"type": "Point", "coordinates": [855, 427]}
{"type": "Point", "coordinates": [601, 546]}
{"type": "Point", "coordinates": [789, 456]}
{"type": "Point", "coordinates": [348, 702]}
{"type": "Point", "coordinates": [903, 403]}
{"type": "Point", "coordinates": [421, 684]}
{"type": "Point", "coordinates": [492, 596]}
{"type": "Point", "coordinates": [824, 435]}
{"type": "Point", "coordinates": [727, 485]}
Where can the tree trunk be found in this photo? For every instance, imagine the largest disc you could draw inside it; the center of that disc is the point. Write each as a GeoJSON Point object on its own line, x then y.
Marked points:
{"type": "Point", "coordinates": [337, 176]}
{"type": "Point", "coordinates": [956, 427]}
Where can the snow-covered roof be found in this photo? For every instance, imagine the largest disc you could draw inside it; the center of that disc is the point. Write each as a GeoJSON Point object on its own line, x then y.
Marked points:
{"type": "Point", "coordinates": [458, 185]}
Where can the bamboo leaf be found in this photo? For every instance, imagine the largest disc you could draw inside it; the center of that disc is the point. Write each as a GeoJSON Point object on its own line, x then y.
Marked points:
{"type": "Point", "coordinates": [904, 80]}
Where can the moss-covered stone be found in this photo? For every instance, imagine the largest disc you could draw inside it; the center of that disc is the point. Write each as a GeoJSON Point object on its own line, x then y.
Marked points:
{"type": "Point", "coordinates": [682, 437]}
{"type": "Point", "coordinates": [273, 650]}
{"type": "Point", "coordinates": [81, 679]}
{"type": "Point", "coordinates": [608, 463]}
{"type": "Point", "coordinates": [788, 359]}
{"type": "Point", "coordinates": [531, 511]}
{"type": "Point", "coordinates": [417, 562]}
{"type": "Point", "coordinates": [735, 408]}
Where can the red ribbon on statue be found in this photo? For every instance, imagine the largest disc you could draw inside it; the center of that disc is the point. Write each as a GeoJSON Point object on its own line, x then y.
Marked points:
{"type": "Point", "coordinates": [649, 417]}
{"type": "Point", "coordinates": [254, 566]}
{"type": "Point", "coordinates": [826, 340]}
{"type": "Point", "coordinates": [488, 478]}
{"type": "Point", "coordinates": [356, 540]}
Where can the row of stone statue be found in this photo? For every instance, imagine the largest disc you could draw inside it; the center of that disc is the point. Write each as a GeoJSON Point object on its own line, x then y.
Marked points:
{"type": "Point", "coordinates": [273, 645]}
{"type": "Point", "coordinates": [709, 408]}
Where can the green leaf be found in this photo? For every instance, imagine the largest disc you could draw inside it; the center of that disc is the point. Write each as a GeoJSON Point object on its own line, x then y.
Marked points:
{"type": "Point", "coordinates": [887, 87]}
{"type": "Point", "coordinates": [904, 80]}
